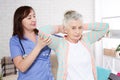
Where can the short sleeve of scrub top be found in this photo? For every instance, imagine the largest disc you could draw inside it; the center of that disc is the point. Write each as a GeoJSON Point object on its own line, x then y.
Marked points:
{"type": "Point", "coordinates": [15, 48]}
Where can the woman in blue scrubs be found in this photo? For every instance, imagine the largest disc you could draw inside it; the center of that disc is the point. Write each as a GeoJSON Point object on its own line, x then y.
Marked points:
{"type": "Point", "coordinates": [29, 51]}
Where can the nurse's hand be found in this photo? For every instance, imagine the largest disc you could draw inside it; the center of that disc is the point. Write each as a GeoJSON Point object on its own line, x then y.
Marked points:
{"type": "Point", "coordinates": [43, 41]}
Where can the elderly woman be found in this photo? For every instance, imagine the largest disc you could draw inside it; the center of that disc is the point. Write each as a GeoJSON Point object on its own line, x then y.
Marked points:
{"type": "Point", "coordinates": [75, 61]}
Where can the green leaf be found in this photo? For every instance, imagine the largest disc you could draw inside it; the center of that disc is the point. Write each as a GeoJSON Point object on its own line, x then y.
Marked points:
{"type": "Point", "coordinates": [118, 48]}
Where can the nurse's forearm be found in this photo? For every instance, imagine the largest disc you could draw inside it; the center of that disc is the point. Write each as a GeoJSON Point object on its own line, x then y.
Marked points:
{"type": "Point", "coordinates": [24, 63]}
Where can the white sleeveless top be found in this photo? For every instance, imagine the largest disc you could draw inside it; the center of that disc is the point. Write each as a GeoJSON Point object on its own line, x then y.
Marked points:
{"type": "Point", "coordinates": [79, 63]}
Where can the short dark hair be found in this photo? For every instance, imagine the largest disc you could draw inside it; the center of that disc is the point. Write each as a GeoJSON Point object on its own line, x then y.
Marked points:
{"type": "Point", "coordinates": [19, 15]}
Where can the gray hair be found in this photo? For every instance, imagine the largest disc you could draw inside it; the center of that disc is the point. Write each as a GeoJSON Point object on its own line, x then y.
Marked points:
{"type": "Point", "coordinates": [71, 15]}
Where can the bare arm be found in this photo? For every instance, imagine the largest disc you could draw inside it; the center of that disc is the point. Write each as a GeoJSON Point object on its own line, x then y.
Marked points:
{"type": "Point", "coordinates": [24, 63]}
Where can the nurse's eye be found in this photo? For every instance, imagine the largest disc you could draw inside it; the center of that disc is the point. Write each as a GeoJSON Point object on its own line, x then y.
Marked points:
{"type": "Point", "coordinates": [29, 17]}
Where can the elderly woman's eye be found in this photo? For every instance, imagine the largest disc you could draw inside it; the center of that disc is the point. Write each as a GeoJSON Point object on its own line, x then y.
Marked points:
{"type": "Point", "coordinates": [73, 27]}
{"type": "Point", "coordinates": [34, 16]}
{"type": "Point", "coordinates": [80, 27]}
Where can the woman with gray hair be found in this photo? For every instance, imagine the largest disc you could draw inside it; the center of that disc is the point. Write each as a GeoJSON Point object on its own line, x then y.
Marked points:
{"type": "Point", "coordinates": [75, 61]}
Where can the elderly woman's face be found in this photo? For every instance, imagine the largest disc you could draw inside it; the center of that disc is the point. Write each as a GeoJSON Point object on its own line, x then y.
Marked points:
{"type": "Point", "coordinates": [74, 30]}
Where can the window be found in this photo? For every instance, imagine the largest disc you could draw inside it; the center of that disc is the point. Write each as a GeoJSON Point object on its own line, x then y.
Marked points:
{"type": "Point", "coordinates": [114, 23]}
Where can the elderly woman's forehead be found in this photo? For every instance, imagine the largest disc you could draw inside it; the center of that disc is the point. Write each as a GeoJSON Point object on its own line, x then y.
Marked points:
{"type": "Point", "coordinates": [75, 21]}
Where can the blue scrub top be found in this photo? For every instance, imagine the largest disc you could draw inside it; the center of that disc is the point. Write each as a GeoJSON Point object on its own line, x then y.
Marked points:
{"type": "Point", "coordinates": [41, 68]}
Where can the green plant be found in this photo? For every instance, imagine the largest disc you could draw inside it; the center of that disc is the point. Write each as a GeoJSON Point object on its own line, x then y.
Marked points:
{"type": "Point", "coordinates": [118, 48]}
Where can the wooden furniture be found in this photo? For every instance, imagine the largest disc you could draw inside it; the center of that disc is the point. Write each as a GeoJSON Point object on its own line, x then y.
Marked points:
{"type": "Point", "coordinates": [110, 61]}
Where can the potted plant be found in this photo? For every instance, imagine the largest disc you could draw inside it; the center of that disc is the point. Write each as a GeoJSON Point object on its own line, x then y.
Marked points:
{"type": "Point", "coordinates": [118, 51]}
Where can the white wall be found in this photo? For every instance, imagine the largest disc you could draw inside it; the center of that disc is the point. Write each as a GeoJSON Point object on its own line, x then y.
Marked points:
{"type": "Point", "coordinates": [49, 12]}
{"type": "Point", "coordinates": [7, 8]}
{"type": "Point", "coordinates": [107, 11]}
